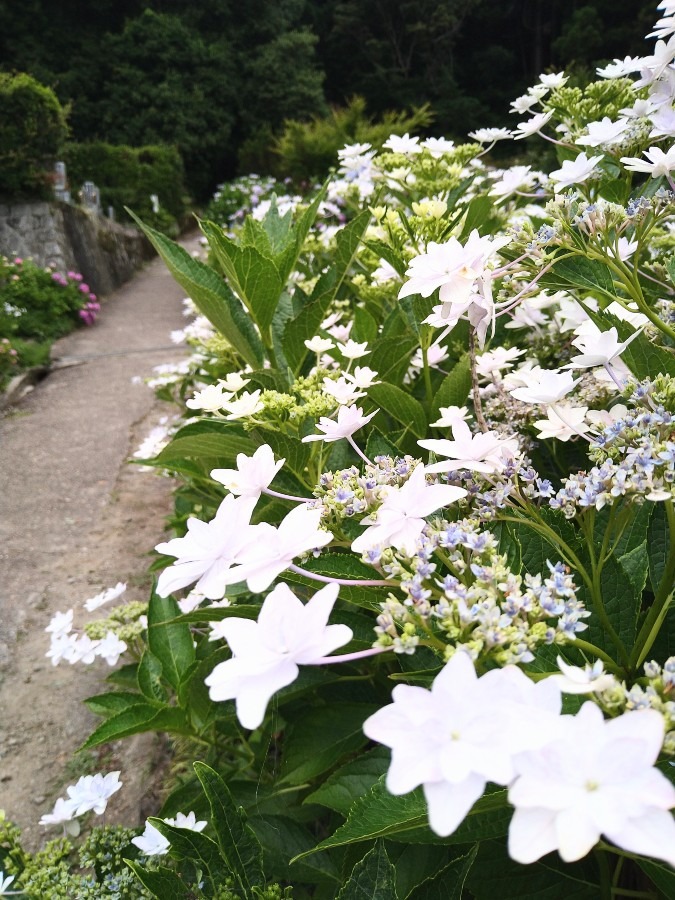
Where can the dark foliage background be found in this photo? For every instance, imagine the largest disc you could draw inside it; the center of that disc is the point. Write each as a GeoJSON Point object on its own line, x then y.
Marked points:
{"type": "Point", "coordinates": [208, 76]}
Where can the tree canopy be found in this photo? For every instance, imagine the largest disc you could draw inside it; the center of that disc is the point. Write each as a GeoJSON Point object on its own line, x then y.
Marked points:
{"type": "Point", "coordinates": [211, 75]}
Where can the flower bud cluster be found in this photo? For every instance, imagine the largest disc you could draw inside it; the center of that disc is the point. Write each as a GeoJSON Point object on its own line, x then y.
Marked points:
{"type": "Point", "coordinates": [460, 590]}
{"type": "Point", "coordinates": [305, 398]}
{"type": "Point", "coordinates": [349, 492]}
{"type": "Point", "coordinates": [635, 456]}
{"type": "Point", "coordinates": [126, 622]}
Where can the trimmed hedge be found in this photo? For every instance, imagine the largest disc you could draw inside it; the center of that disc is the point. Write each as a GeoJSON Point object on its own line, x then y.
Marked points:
{"type": "Point", "coordinates": [127, 176]}
{"type": "Point", "coordinates": [32, 130]}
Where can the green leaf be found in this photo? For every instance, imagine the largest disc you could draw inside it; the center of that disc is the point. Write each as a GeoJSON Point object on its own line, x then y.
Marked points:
{"type": "Point", "coordinates": [210, 294]}
{"type": "Point", "coordinates": [207, 439]}
{"type": "Point", "coordinates": [136, 719]}
{"type": "Point", "coordinates": [658, 541]}
{"type": "Point", "coordinates": [477, 213]}
{"type": "Point", "coordinates": [308, 321]}
{"type": "Point", "coordinates": [110, 704]}
{"type": "Point", "coordinates": [282, 838]}
{"type": "Point", "coordinates": [238, 844]}
{"type": "Point", "coordinates": [401, 406]}
{"type": "Point", "coordinates": [455, 387]}
{"type": "Point", "coordinates": [390, 356]}
{"type": "Point", "coordinates": [199, 849]}
{"type": "Point", "coordinates": [670, 265]}
{"type": "Point", "coordinates": [380, 814]}
{"type": "Point", "coordinates": [171, 642]}
{"type": "Point", "coordinates": [321, 738]}
{"type": "Point", "coordinates": [163, 883]}
{"type": "Point", "coordinates": [494, 874]}
{"type": "Point", "coordinates": [351, 781]}
{"type": "Point", "coordinates": [254, 277]}
{"type": "Point", "coordinates": [150, 677]}
{"type": "Point", "coordinates": [286, 260]}
{"type": "Point", "coordinates": [286, 447]}
{"type": "Point", "coordinates": [379, 445]}
{"type": "Point", "coordinates": [372, 878]}
{"type": "Point", "coordinates": [448, 884]}
{"type": "Point", "coordinates": [389, 254]}
{"type": "Point", "coordinates": [660, 873]}
{"type": "Point", "coordinates": [580, 272]}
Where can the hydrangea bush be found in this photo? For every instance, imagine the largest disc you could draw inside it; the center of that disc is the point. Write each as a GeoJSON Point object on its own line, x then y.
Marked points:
{"type": "Point", "coordinates": [416, 620]}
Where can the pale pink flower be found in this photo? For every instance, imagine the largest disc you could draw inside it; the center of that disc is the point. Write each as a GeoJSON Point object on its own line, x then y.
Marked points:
{"type": "Point", "coordinates": [401, 518]}
{"type": "Point", "coordinates": [253, 473]}
{"type": "Point", "coordinates": [349, 420]}
{"type": "Point", "coordinates": [266, 654]}
{"type": "Point", "coordinates": [597, 778]}
{"type": "Point", "coordinates": [487, 452]}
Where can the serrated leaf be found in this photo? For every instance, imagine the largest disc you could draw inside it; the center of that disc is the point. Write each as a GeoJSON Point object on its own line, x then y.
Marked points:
{"type": "Point", "coordinates": [171, 642]}
{"type": "Point", "coordinates": [238, 844]}
{"type": "Point", "coordinates": [351, 781]}
{"type": "Point", "coordinates": [390, 356]}
{"type": "Point", "coordinates": [282, 838]}
{"type": "Point", "coordinates": [660, 873]}
{"type": "Point", "coordinates": [321, 738]}
{"type": "Point", "coordinates": [306, 324]}
{"type": "Point", "coordinates": [150, 677]}
{"type": "Point", "coordinates": [379, 445]}
{"type": "Point", "coordinates": [163, 883]}
{"type": "Point", "coordinates": [658, 541]}
{"type": "Point", "coordinates": [401, 406]}
{"type": "Point", "coordinates": [286, 260]}
{"type": "Point", "coordinates": [372, 878]}
{"type": "Point", "coordinates": [455, 387]}
{"type": "Point", "coordinates": [494, 874]}
{"type": "Point", "coordinates": [389, 254]}
{"type": "Point", "coordinates": [380, 814]}
{"type": "Point", "coordinates": [579, 272]}
{"type": "Point", "coordinates": [137, 719]}
{"type": "Point", "coordinates": [210, 294]}
{"type": "Point", "coordinates": [202, 852]}
{"type": "Point", "coordinates": [114, 702]}
{"type": "Point", "coordinates": [448, 884]}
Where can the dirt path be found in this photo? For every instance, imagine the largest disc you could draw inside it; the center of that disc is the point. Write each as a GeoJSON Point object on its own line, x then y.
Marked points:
{"type": "Point", "coordinates": [74, 520]}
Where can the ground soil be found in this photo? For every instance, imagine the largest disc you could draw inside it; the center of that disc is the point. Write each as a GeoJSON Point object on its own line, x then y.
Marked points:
{"type": "Point", "coordinates": [75, 519]}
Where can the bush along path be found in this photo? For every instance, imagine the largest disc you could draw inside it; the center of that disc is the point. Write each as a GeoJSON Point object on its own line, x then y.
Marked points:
{"type": "Point", "coordinates": [75, 520]}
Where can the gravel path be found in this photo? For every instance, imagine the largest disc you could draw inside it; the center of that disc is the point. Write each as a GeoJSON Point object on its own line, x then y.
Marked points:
{"type": "Point", "coordinates": [74, 520]}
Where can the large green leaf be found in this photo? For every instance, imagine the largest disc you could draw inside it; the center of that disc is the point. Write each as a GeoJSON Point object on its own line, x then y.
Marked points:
{"type": "Point", "coordinates": [237, 842]}
{"type": "Point", "coordinates": [351, 781]}
{"type": "Point", "coordinates": [494, 874]}
{"type": "Point", "coordinates": [448, 884]}
{"type": "Point", "coordinates": [171, 642]}
{"type": "Point", "coordinates": [390, 356]}
{"type": "Point", "coordinates": [321, 738]}
{"type": "Point", "coordinates": [306, 324]}
{"type": "Point", "coordinates": [211, 295]}
{"type": "Point", "coordinates": [658, 542]}
{"type": "Point", "coordinates": [399, 404]}
{"type": "Point", "coordinates": [661, 874]}
{"type": "Point", "coordinates": [282, 838]}
{"type": "Point", "coordinates": [372, 878]}
{"type": "Point", "coordinates": [455, 387]}
{"type": "Point", "coordinates": [136, 719]}
{"type": "Point", "coordinates": [207, 439]}
{"type": "Point", "coordinates": [286, 260]}
{"type": "Point", "coordinates": [253, 277]}
{"type": "Point", "coordinates": [163, 883]}
{"type": "Point", "coordinates": [114, 702]}
{"type": "Point", "coordinates": [579, 272]}
{"type": "Point", "coordinates": [200, 850]}
{"type": "Point", "coordinates": [380, 814]}
{"type": "Point", "coordinates": [150, 677]}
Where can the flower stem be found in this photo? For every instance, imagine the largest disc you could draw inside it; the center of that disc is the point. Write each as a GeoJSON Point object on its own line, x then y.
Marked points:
{"type": "Point", "coordinates": [350, 657]}
{"type": "Point", "coordinates": [347, 582]}
{"type": "Point", "coordinates": [477, 405]}
{"type": "Point", "coordinates": [360, 452]}
{"type": "Point", "coordinates": [286, 496]}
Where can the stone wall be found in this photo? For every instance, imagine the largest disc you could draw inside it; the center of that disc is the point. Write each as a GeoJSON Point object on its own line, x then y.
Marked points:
{"type": "Point", "coordinates": [67, 237]}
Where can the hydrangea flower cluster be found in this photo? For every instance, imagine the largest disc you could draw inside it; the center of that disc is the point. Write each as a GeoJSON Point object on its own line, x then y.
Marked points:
{"type": "Point", "coordinates": [479, 605]}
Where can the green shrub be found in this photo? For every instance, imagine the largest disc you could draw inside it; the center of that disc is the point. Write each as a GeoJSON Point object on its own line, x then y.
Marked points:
{"type": "Point", "coordinates": [32, 130]}
{"type": "Point", "coordinates": [128, 176]}
{"type": "Point", "coordinates": [39, 305]}
{"type": "Point", "coordinates": [307, 150]}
